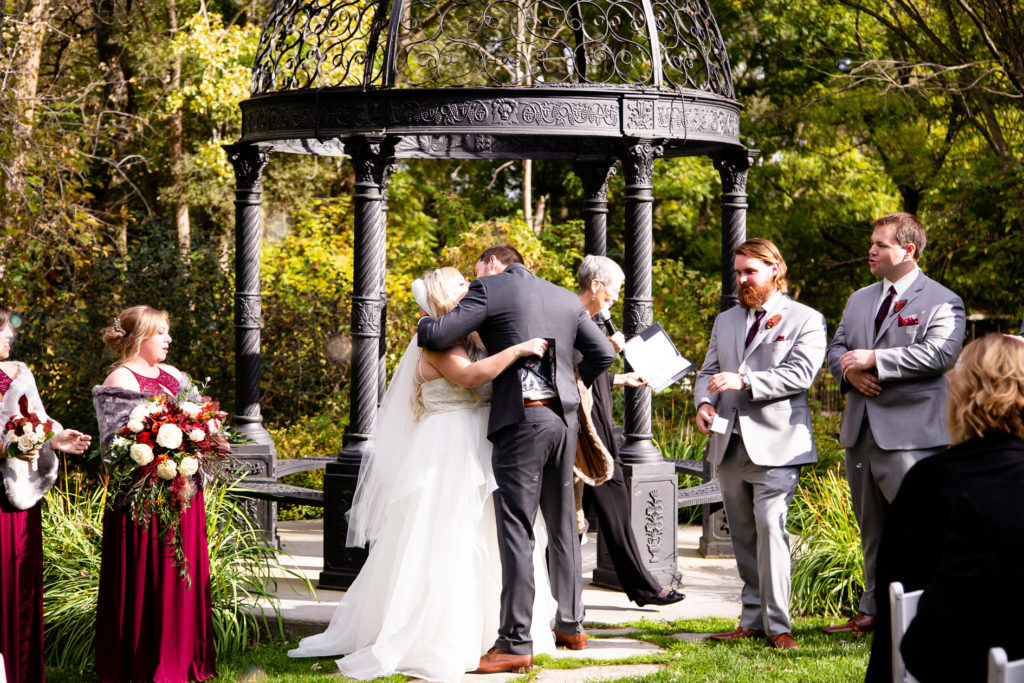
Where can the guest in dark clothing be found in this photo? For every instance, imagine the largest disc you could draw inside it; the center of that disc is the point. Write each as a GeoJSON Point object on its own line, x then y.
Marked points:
{"type": "Point", "coordinates": [935, 500]}
{"type": "Point", "coordinates": [600, 280]}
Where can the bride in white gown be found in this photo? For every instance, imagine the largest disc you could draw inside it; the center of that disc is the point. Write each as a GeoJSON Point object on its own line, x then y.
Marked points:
{"type": "Point", "coordinates": [426, 602]}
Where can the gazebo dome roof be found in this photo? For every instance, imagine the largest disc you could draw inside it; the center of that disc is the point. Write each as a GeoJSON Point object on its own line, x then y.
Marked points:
{"type": "Point", "coordinates": [654, 69]}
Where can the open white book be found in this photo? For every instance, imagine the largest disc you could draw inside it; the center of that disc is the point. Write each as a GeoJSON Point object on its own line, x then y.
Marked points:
{"type": "Point", "coordinates": [653, 355]}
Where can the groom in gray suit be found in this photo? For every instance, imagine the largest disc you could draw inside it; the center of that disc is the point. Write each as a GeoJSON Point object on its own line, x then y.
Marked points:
{"type": "Point", "coordinates": [893, 345]}
{"type": "Point", "coordinates": [752, 393]}
{"type": "Point", "coordinates": [533, 427]}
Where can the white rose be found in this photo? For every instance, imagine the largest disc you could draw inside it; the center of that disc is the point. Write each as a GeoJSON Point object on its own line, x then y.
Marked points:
{"type": "Point", "coordinates": [138, 413]}
{"type": "Point", "coordinates": [197, 434]}
{"type": "Point", "coordinates": [26, 442]}
{"type": "Point", "coordinates": [12, 435]}
{"type": "Point", "coordinates": [166, 469]}
{"type": "Point", "coordinates": [141, 454]}
{"type": "Point", "coordinates": [136, 425]}
{"type": "Point", "coordinates": [154, 407]}
{"type": "Point", "coordinates": [189, 466]}
{"type": "Point", "coordinates": [40, 431]}
{"type": "Point", "coordinates": [169, 436]}
{"type": "Point", "coordinates": [214, 425]}
{"type": "Point", "coordinates": [189, 408]}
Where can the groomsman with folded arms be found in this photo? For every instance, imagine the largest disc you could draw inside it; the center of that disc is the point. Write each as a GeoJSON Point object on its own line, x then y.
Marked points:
{"type": "Point", "coordinates": [893, 345]}
{"type": "Point", "coordinates": [762, 358]}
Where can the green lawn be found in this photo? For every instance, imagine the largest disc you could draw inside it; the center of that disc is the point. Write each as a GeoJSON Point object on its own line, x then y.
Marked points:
{"type": "Point", "coordinates": [821, 658]}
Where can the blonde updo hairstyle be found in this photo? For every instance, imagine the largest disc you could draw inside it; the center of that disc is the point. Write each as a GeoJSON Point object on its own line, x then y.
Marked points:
{"type": "Point", "coordinates": [442, 287]}
{"type": "Point", "coordinates": [132, 327]}
{"type": "Point", "coordinates": [986, 388]}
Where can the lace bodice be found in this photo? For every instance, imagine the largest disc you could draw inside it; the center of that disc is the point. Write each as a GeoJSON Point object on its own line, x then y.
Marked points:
{"type": "Point", "coordinates": [441, 396]}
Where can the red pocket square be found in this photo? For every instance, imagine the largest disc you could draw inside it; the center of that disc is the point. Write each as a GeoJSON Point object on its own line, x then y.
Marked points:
{"type": "Point", "coordinates": [905, 322]}
{"type": "Point", "coordinates": [781, 337]}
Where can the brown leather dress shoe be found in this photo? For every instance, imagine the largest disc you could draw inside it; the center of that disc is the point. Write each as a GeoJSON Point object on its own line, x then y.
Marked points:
{"type": "Point", "coordinates": [497, 660]}
{"type": "Point", "coordinates": [861, 623]}
{"type": "Point", "coordinates": [784, 641]}
{"type": "Point", "coordinates": [573, 642]}
{"type": "Point", "coordinates": [741, 632]}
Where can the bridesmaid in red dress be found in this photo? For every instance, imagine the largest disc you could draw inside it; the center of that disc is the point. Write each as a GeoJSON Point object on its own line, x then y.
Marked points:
{"type": "Point", "coordinates": [150, 625]}
{"type": "Point", "coordinates": [26, 479]}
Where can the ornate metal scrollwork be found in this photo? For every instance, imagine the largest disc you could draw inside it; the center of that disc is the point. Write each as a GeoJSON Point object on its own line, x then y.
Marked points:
{"type": "Point", "coordinates": [692, 50]}
{"type": "Point", "coordinates": [486, 43]}
{"type": "Point", "coordinates": [733, 167]}
{"type": "Point", "coordinates": [248, 311]}
{"type": "Point", "coordinates": [654, 527]}
{"type": "Point", "coordinates": [366, 316]}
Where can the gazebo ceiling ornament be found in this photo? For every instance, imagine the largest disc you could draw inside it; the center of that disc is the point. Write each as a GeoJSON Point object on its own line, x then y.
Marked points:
{"type": "Point", "coordinates": [492, 79]}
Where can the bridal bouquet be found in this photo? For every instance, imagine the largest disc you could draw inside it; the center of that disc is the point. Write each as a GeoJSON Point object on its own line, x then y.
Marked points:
{"type": "Point", "coordinates": [27, 431]}
{"type": "Point", "coordinates": [158, 458]}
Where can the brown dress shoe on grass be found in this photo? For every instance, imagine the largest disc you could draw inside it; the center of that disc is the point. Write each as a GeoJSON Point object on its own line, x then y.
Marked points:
{"type": "Point", "coordinates": [861, 623]}
{"type": "Point", "coordinates": [784, 641]}
{"type": "Point", "coordinates": [741, 632]}
{"type": "Point", "coordinates": [573, 642]}
{"type": "Point", "coordinates": [497, 660]}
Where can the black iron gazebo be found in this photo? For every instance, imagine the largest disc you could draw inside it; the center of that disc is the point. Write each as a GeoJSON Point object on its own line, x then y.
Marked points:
{"type": "Point", "coordinates": [596, 82]}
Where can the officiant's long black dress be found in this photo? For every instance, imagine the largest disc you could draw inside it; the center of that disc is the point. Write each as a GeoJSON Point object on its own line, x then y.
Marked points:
{"type": "Point", "coordinates": [610, 501]}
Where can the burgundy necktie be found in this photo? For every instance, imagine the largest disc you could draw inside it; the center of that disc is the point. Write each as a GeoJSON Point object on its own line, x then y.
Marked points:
{"type": "Point", "coordinates": [752, 332]}
{"type": "Point", "coordinates": [883, 310]}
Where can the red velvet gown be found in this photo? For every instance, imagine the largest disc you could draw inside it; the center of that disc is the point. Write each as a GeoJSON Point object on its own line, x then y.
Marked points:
{"type": "Point", "coordinates": [149, 625]}
{"type": "Point", "coordinates": [21, 586]}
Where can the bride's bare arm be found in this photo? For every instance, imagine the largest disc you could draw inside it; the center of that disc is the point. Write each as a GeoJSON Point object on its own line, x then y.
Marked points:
{"type": "Point", "coordinates": [455, 365]}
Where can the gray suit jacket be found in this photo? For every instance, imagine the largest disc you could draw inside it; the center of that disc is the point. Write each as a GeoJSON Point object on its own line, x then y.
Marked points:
{"type": "Point", "coordinates": [781, 364]}
{"type": "Point", "coordinates": [913, 349]}
{"type": "Point", "coordinates": [512, 307]}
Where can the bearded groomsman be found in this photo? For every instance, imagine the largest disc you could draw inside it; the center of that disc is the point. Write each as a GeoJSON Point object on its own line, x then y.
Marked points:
{"type": "Point", "coordinates": [895, 341]}
{"type": "Point", "coordinates": [752, 393]}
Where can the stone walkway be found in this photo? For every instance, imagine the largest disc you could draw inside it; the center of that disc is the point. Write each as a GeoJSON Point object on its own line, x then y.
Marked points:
{"type": "Point", "coordinates": [712, 589]}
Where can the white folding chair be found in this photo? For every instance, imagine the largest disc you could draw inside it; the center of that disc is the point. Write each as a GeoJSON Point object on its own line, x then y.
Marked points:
{"type": "Point", "coordinates": [1001, 670]}
{"type": "Point", "coordinates": [903, 607]}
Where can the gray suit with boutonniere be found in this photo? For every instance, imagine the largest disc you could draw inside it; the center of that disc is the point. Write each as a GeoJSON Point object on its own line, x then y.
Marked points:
{"type": "Point", "coordinates": [767, 438]}
{"type": "Point", "coordinates": [918, 340]}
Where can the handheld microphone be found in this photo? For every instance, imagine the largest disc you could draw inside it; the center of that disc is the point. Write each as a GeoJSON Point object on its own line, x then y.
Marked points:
{"type": "Point", "coordinates": [604, 319]}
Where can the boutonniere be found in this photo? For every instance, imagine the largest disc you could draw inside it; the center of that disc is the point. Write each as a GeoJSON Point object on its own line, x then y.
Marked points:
{"type": "Point", "coordinates": [772, 321]}
{"type": "Point", "coordinates": [898, 306]}
{"type": "Point", "coordinates": [909, 320]}
{"type": "Point", "coordinates": [781, 337]}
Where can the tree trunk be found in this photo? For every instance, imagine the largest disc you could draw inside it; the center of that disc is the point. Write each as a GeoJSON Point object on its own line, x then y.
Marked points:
{"type": "Point", "coordinates": [23, 85]}
{"type": "Point", "coordinates": [176, 155]}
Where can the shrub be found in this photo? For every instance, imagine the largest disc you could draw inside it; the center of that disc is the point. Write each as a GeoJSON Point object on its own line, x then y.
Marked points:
{"type": "Point", "coordinates": [240, 566]}
{"type": "Point", "coordinates": [828, 568]}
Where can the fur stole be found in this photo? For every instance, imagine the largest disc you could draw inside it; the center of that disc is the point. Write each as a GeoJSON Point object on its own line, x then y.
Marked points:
{"type": "Point", "coordinates": [24, 487]}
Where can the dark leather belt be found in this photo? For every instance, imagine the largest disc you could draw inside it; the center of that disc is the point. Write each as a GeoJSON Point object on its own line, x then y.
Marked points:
{"type": "Point", "coordinates": [538, 402]}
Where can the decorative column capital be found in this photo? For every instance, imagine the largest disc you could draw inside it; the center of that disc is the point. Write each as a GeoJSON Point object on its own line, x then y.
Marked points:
{"type": "Point", "coordinates": [373, 159]}
{"type": "Point", "coordinates": [732, 167]}
{"type": "Point", "coordinates": [248, 162]}
{"type": "Point", "coordinates": [595, 176]}
{"type": "Point", "coordinates": [638, 162]}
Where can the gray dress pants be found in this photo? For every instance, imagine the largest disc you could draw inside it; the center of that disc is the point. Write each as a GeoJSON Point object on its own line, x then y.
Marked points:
{"type": "Point", "coordinates": [532, 464]}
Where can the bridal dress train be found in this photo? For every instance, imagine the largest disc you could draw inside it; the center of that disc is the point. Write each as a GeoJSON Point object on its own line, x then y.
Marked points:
{"type": "Point", "coordinates": [426, 602]}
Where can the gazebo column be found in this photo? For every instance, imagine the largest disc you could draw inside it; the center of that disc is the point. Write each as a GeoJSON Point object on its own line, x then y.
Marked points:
{"type": "Point", "coordinates": [372, 160]}
{"type": "Point", "coordinates": [259, 456]}
{"type": "Point", "coordinates": [732, 166]}
{"type": "Point", "coordinates": [595, 175]}
{"type": "Point", "coordinates": [652, 481]}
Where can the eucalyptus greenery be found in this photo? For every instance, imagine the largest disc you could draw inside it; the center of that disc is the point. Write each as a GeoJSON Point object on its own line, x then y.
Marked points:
{"type": "Point", "coordinates": [241, 572]}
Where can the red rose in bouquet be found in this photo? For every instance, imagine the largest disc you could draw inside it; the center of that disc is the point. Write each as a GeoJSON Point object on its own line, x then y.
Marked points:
{"type": "Point", "coordinates": [27, 431]}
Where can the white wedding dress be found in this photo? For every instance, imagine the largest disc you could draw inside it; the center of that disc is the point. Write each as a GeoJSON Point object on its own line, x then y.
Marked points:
{"type": "Point", "coordinates": [426, 601]}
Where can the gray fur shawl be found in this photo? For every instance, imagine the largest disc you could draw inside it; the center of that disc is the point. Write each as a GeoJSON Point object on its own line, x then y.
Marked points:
{"type": "Point", "coordinates": [114, 404]}
{"type": "Point", "coordinates": [23, 487]}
